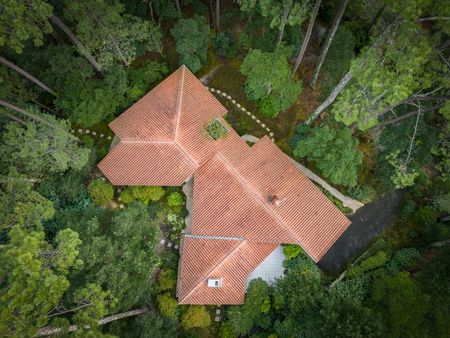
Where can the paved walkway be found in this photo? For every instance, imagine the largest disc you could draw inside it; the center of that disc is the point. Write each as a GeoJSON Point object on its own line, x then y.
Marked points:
{"type": "Point", "coordinates": [270, 268]}
{"type": "Point", "coordinates": [367, 223]}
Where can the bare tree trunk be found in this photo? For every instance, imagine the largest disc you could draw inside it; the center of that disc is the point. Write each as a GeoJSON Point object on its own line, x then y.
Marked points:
{"type": "Point", "coordinates": [177, 5]}
{"type": "Point", "coordinates": [211, 13]}
{"type": "Point", "coordinates": [76, 42]}
{"type": "Point", "coordinates": [328, 41]}
{"type": "Point", "coordinates": [330, 99]}
{"type": "Point", "coordinates": [48, 331]}
{"type": "Point", "coordinates": [14, 118]}
{"type": "Point", "coordinates": [398, 119]}
{"type": "Point", "coordinates": [287, 8]}
{"type": "Point", "coordinates": [307, 37]}
{"type": "Point", "coordinates": [150, 8]}
{"type": "Point", "coordinates": [217, 15]}
{"type": "Point", "coordinates": [35, 117]}
{"type": "Point", "coordinates": [26, 75]}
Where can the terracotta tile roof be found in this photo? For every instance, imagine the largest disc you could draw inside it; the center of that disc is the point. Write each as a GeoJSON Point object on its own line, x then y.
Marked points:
{"type": "Point", "coordinates": [232, 260]}
{"type": "Point", "coordinates": [231, 198]}
{"type": "Point", "coordinates": [162, 142]}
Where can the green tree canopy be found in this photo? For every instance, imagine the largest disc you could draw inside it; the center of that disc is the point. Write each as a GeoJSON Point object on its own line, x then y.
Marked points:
{"type": "Point", "coordinates": [268, 81]}
{"type": "Point", "coordinates": [195, 316]}
{"type": "Point", "coordinates": [38, 150]}
{"type": "Point", "coordinates": [22, 20]}
{"type": "Point", "coordinates": [191, 38]}
{"type": "Point", "coordinates": [109, 33]}
{"type": "Point", "coordinates": [335, 152]}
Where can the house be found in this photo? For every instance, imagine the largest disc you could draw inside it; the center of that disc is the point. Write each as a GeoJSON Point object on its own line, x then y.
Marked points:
{"type": "Point", "coordinates": [247, 200]}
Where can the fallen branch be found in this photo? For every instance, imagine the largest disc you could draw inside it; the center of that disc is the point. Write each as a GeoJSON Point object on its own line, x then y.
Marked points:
{"type": "Point", "coordinates": [49, 330]}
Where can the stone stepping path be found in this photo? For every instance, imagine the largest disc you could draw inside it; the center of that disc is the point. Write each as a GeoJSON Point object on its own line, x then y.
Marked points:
{"type": "Point", "coordinates": [90, 132]}
{"type": "Point", "coordinates": [217, 315]}
{"type": "Point", "coordinates": [169, 244]}
{"type": "Point", "coordinates": [229, 98]}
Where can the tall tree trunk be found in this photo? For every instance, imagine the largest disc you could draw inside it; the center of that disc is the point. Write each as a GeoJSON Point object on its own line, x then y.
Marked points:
{"type": "Point", "coordinates": [287, 7]}
{"type": "Point", "coordinates": [150, 9]}
{"type": "Point", "coordinates": [211, 13]}
{"type": "Point", "coordinates": [37, 118]}
{"type": "Point", "coordinates": [330, 99]}
{"type": "Point", "coordinates": [50, 331]}
{"type": "Point", "coordinates": [307, 37]}
{"type": "Point", "coordinates": [26, 75]}
{"type": "Point", "coordinates": [328, 40]}
{"type": "Point", "coordinates": [217, 15]}
{"type": "Point", "coordinates": [83, 51]}
{"type": "Point", "coordinates": [177, 5]}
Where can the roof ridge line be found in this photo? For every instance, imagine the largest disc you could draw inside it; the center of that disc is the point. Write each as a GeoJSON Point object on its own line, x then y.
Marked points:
{"type": "Point", "coordinates": [217, 237]}
{"type": "Point", "coordinates": [142, 141]}
{"type": "Point", "coordinates": [179, 99]}
{"type": "Point", "coordinates": [212, 269]}
{"type": "Point", "coordinates": [252, 190]}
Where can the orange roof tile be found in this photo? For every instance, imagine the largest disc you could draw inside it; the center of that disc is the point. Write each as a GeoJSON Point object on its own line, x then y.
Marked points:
{"type": "Point", "coordinates": [231, 198]}
{"type": "Point", "coordinates": [162, 142]}
{"type": "Point", "coordinates": [232, 260]}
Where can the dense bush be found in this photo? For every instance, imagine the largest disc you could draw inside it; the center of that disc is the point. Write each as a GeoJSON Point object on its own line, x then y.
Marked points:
{"type": "Point", "coordinates": [101, 191]}
{"type": "Point", "coordinates": [291, 250]}
{"type": "Point", "coordinates": [175, 199]}
{"type": "Point", "coordinates": [371, 263]}
{"type": "Point", "coordinates": [167, 304]}
{"type": "Point", "coordinates": [142, 194]}
{"type": "Point", "coordinates": [225, 44]}
{"type": "Point", "coordinates": [195, 316]}
{"type": "Point", "coordinates": [167, 280]}
{"type": "Point", "coordinates": [363, 193]}
{"type": "Point", "coordinates": [191, 38]}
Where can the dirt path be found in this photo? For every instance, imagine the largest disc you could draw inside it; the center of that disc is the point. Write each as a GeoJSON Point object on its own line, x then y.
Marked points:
{"type": "Point", "coordinates": [367, 223]}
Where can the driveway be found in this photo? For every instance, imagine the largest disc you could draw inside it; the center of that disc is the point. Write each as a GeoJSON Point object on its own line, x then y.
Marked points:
{"type": "Point", "coordinates": [367, 223]}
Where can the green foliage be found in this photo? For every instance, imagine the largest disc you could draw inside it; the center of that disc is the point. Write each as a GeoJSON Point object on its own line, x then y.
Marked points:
{"type": "Point", "coordinates": [385, 74]}
{"type": "Point", "coordinates": [101, 191]}
{"type": "Point", "coordinates": [402, 305]}
{"type": "Point", "coordinates": [225, 44]}
{"type": "Point", "coordinates": [255, 310]}
{"type": "Point", "coordinates": [84, 98]}
{"type": "Point", "coordinates": [363, 193]}
{"type": "Point", "coordinates": [443, 203]}
{"type": "Point", "coordinates": [216, 130]}
{"type": "Point", "coordinates": [191, 38]}
{"type": "Point", "coordinates": [34, 278]}
{"type": "Point", "coordinates": [143, 77]}
{"type": "Point", "coordinates": [175, 199]}
{"type": "Point", "coordinates": [371, 263]}
{"type": "Point", "coordinates": [291, 251]}
{"type": "Point", "coordinates": [38, 150]}
{"type": "Point", "coordinates": [403, 260]}
{"type": "Point", "coordinates": [425, 216]}
{"type": "Point", "coordinates": [167, 305]}
{"type": "Point", "coordinates": [24, 20]}
{"type": "Point", "coordinates": [335, 151]}
{"type": "Point", "coordinates": [118, 250]}
{"type": "Point", "coordinates": [195, 316]}
{"type": "Point", "coordinates": [154, 325]}
{"type": "Point", "coordinates": [144, 194]}
{"type": "Point", "coordinates": [339, 56]}
{"type": "Point", "coordinates": [345, 318]}
{"type": "Point", "coordinates": [167, 280]}
{"type": "Point", "coordinates": [268, 81]}
{"type": "Point", "coordinates": [109, 34]}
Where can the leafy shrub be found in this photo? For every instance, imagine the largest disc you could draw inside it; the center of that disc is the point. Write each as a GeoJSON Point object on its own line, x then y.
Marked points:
{"type": "Point", "coordinates": [403, 259]}
{"type": "Point", "coordinates": [371, 263]}
{"type": "Point", "coordinates": [225, 44]}
{"type": "Point", "coordinates": [101, 191]}
{"type": "Point", "coordinates": [408, 208]}
{"type": "Point", "coordinates": [167, 304]}
{"type": "Point", "coordinates": [142, 194]}
{"type": "Point", "coordinates": [215, 129]}
{"type": "Point", "coordinates": [195, 316]}
{"type": "Point", "coordinates": [291, 251]}
{"type": "Point", "coordinates": [363, 193]}
{"type": "Point", "coordinates": [354, 289]}
{"type": "Point", "coordinates": [167, 280]}
{"type": "Point", "coordinates": [425, 216]}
